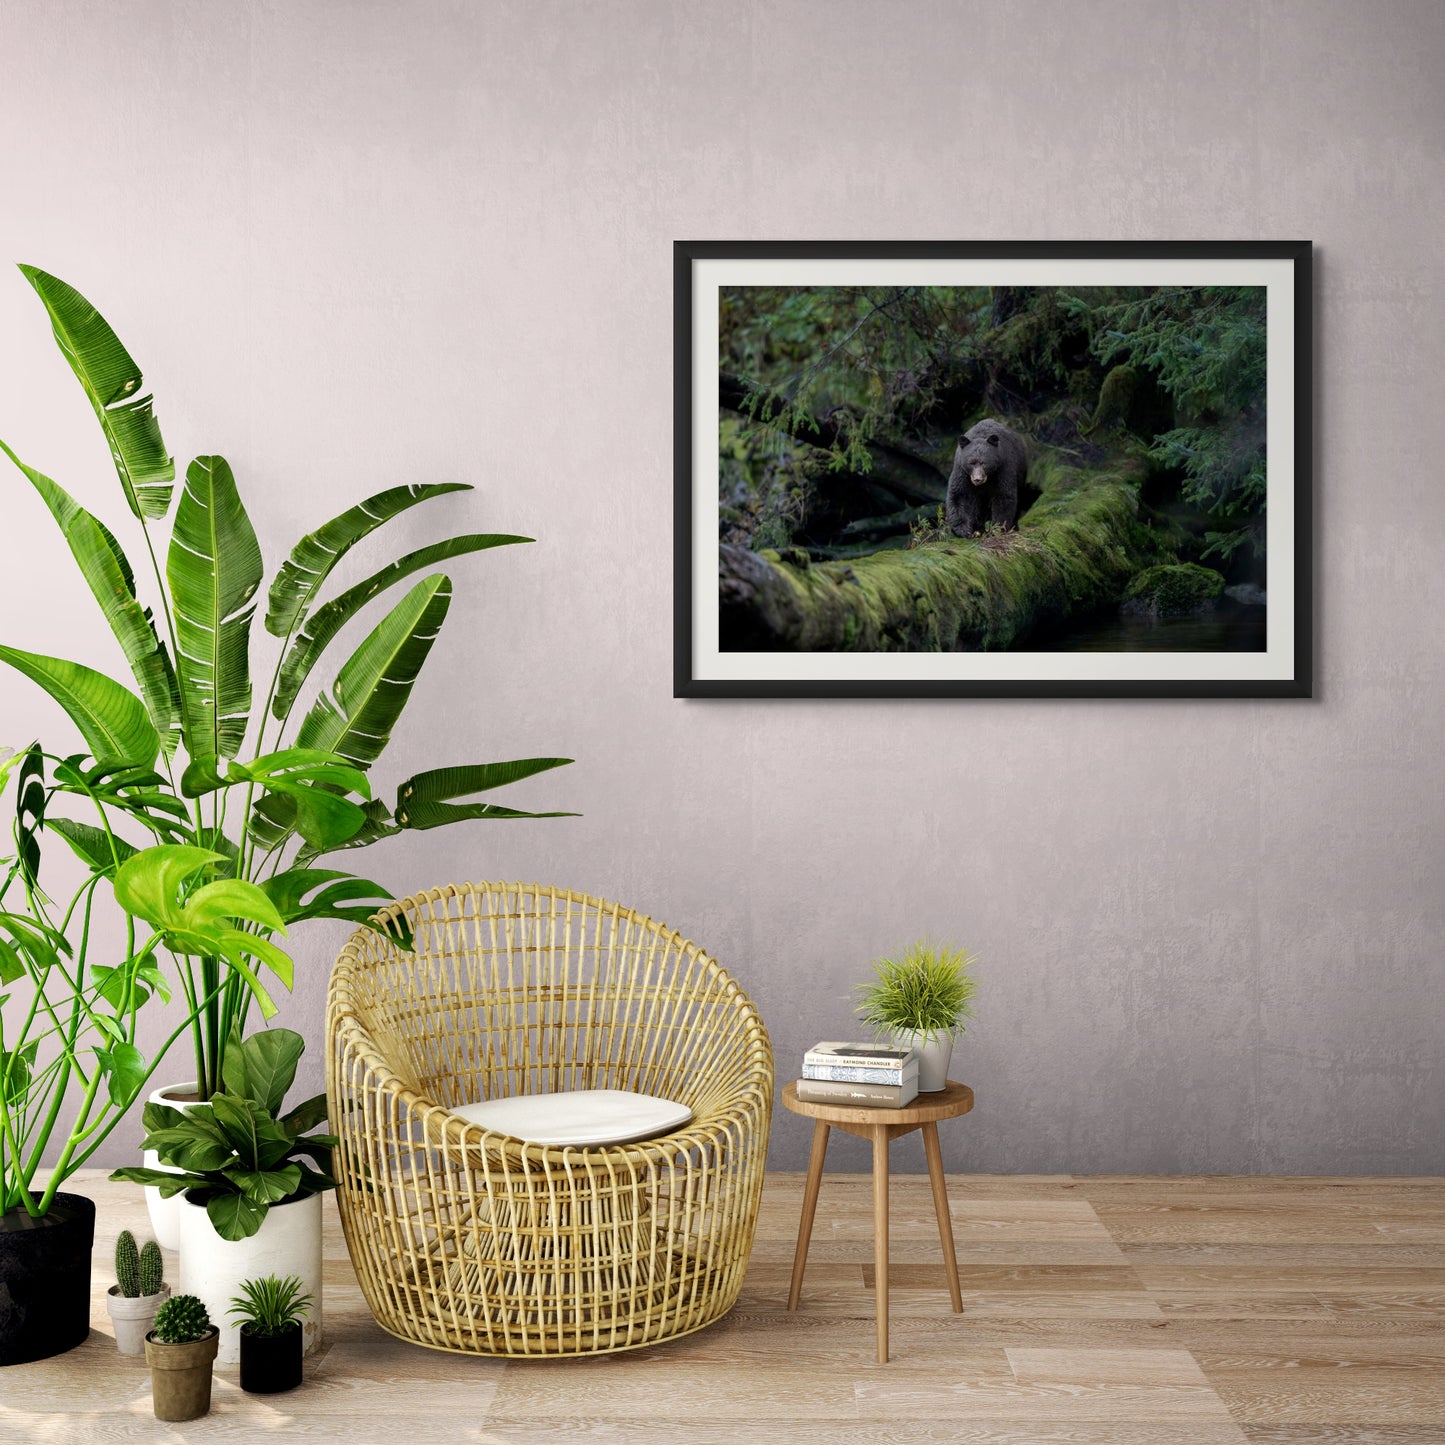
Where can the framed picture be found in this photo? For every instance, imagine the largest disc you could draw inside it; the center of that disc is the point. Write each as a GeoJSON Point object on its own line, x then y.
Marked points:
{"type": "Point", "coordinates": [993, 469]}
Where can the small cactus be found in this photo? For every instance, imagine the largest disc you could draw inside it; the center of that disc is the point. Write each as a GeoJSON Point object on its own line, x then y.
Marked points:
{"type": "Point", "coordinates": [180, 1320]}
{"type": "Point", "coordinates": [152, 1268]}
{"type": "Point", "coordinates": [127, 1265]}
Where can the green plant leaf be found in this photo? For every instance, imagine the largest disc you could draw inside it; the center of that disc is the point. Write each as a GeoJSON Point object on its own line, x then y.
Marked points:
{"type": "Point", "coordinates": [214, 570]}
{"type": "Point", "coordinates": [229, 898]}
{"type": "Point", "coordinates": [313, 557]}
{"type": "Point", "coordinates": [356, 716]}
{"type": "Point", "coordinates": [162, 1179]}
{"type": "Point", "coordinates": [304, 1116]}
{"type": "Point", "coordinates": [327, 620]}
{"type": "Point", "coordinates": [330, 893]}
{"type": "Point", "coordinates": [442, 784]}
{"type": "Point", "coordinates": [259, 1141]}
{"type": "Point", "coordinates": [110, 578]}
{"type": "Point", "coordinates": [266, 1186]}
{"type": "Point", "coordinates": [262, 1066]}
{"type": "Point", "coordinates": [379, 824]}
{"type": "Point", "coordinates": [114, 384]}
{"type": "Point", "coordinates": [147, 884]}
{"type": "Point", "coordinates": [112, 720]}
{"type": "Point", "coordinates": [316, 1181]}
{"type": "Point", "coordinates": [234, 1216]}
{"type": "Point", "coordinates": [421, 801]}
{"type": "Point", "coordinates": [101, 851]}
{"type": "Point", "coordinates": [124, 1067]}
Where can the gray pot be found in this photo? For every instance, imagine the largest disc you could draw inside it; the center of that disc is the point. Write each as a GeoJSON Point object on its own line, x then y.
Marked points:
{"type": "Point", "coordinates": [133, 1316]}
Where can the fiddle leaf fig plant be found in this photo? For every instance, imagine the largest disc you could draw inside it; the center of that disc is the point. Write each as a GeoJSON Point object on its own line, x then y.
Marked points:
{"type": "Point", "coordinates": [243, 1155]}
{"type": "Point", "coordinates": [184, 757]}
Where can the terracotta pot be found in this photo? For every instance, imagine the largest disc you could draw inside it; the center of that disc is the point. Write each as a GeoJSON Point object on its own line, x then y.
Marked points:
{"type": "Point", "coordinates": [270, 1363]}
{"type": "Point", "coordinates": [133, 1316]}
{"type": "Point", "coordinates": [181, 1376]}
{"type": "Point", "coordinates": [45, 1279]}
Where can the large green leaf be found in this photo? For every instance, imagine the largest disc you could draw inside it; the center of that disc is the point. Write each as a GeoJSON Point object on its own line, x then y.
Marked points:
{"type": "Point", "coordinates": [112, 719]}
{"type": "Point", "coordinates": [313, 557]}
{"type": "Point", "coordinates": [323, 624]}
{"type": "Point", "coordinates": [356, 717]}
{"type": "Point", "coordinates": [263, 1066]}
{"type": "Point", "coordinates": [214, 571]}
{"type": "Point", "coordinates": [101, 851]}
{"type": "Point", "coordinates": [425, 802]}
{"type": "Point", "coordinates": [114, 384]}
{"type": "Point", "coordinates": [234, 1216]}
{"type": "Point", "coordinates": [332, 894]}
{"type": "Point", "coordinates": [108, 574]}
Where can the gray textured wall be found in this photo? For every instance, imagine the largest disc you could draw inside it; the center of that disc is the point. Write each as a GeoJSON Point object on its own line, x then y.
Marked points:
{"type": "Point", "coordinates": [355, 245]}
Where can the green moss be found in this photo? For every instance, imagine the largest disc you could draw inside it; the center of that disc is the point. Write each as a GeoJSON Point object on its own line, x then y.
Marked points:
{"type": "Point", "coordinates": [1173, 591]}
{"type": "Point", "coordinates": [1116, 398]}
{"type": "Point", "coordinates": [1077, 548]}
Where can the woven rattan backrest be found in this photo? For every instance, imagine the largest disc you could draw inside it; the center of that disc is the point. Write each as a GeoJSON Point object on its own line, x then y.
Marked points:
{"type": "Point", "coordinates": [520, 989]}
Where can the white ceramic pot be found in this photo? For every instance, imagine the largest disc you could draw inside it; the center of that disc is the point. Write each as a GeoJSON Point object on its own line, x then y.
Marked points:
{"type": "Point", "coordinates": [933, 1059]}
{"type": "Point", "coordinates": [288, 1242]}
{"type": "Point", "coordinates": [132, 1316]}
{"type": "Point", "coordinates": [165, 1213]}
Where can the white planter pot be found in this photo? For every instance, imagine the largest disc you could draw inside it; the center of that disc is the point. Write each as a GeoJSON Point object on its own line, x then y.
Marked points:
{"type": "Point", "coordinates": [165, 1213]}
{"type": "Point", "coordinates": [288, 1242]}
{"type": "Point", "coordinates": [132, 1316]}
{"type": "Point", "coordinates": [933, 1059]}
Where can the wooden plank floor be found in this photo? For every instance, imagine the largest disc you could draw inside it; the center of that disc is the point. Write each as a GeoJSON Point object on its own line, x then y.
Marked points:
{"type": "Point", "coordinates": [1097, 1311]}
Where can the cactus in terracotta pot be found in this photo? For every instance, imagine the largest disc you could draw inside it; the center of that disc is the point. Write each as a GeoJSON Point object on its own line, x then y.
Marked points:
{"type": "Point", "coordinates": [181, 1351]}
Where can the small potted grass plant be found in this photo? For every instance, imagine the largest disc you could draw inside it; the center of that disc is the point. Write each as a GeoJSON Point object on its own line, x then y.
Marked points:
{"type": "Point", "coordinates": [270, 1310]}
{"type": "Point", "coordinates": [138, 1292]}
{"type": "Point", "coordinates": [181, 1349]}
{"type": "Point", "coordinates": [921, 997]}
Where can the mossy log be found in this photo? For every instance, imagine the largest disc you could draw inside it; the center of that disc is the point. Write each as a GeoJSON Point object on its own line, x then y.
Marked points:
{"type": "Point", "coordinates": [1075, 551]}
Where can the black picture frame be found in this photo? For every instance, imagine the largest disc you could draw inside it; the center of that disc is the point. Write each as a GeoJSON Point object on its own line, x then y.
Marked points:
{"type": "Point", "coordinates": [1292, 661]}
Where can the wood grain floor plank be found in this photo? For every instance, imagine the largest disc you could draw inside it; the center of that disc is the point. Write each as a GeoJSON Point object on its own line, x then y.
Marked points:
{"type": "Point", "coordinates": [501, 1431]}
{"type": "Point", "coordinates": [1110, 1311]}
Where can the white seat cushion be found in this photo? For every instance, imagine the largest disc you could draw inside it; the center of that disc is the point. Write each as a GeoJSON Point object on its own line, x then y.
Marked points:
{"type": "Point", "coordinates": [581, 1117]}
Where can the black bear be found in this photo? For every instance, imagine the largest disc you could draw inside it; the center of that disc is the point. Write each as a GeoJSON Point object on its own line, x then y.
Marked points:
{"type": "Point", "coordinates": [990, 468]}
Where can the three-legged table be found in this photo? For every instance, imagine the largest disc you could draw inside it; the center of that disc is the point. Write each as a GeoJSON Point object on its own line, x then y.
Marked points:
{"type": "Point", "coordinates": [881, 1126]}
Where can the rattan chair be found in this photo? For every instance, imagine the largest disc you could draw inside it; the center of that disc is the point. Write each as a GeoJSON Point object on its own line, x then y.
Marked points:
{"type": "Point", "coordinates": [469, 1240]}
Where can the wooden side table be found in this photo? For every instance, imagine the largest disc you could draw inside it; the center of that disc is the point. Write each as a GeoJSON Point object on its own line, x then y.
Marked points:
{"type": "Point", "coordinates": [881, 1126]}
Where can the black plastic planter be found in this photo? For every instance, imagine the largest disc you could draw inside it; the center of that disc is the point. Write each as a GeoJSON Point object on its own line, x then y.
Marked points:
{"type": "Point", "coordinates": [270, 1363]}
{"type": "Point", "coordinates": [45, 1279]}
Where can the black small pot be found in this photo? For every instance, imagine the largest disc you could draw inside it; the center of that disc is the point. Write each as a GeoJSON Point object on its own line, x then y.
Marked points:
{"type": "Point", "coordinates": [45, 1279]}
{"type": "Point", "coordinates": [270, 1363]}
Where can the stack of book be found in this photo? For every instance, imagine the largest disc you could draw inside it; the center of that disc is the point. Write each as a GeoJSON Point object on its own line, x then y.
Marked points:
{"type": "Point", "coordinates": [860, 1074]}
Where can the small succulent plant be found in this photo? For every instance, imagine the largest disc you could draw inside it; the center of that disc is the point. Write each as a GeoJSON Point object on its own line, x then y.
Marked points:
{"type": "Point", "coordinates": [138, 1271]}
{"type": "Point", "coordinates": [271, 1305]}
{"type": "Point", "coordinates": [181, 1320]}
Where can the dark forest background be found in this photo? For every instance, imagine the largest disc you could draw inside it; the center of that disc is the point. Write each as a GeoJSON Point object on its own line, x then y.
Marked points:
{"type": "Point", "coordinates": [841, 406]}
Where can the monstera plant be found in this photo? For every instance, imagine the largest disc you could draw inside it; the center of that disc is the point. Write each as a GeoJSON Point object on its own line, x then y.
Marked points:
{"type": "Point", "coordinates": [184, 758]}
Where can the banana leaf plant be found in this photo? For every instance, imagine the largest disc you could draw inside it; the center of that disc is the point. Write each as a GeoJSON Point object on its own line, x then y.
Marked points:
{"type": "Point", "coordinates": [243, 1155]}
{"type": "Point", "coordinates": [70, 1064]}
{"type": "Point", "coordinates": [183, 757]}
